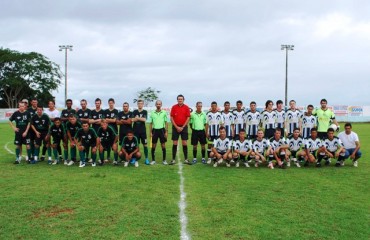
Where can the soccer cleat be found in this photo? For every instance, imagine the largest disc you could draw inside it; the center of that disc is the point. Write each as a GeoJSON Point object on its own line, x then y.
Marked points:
{"type": "Point", "coordinates": [17, 162]}
{"type": "Point", "coordinates": [318, 164]}
{"type": "Point", "coordinates": [173, 162]}
{"type": "Point", "coordinates": [297, 164]}
{"type": "Point", "coordinates": [215, 164]}
{"type": "Point", "coordinates": [147, 162]}
{"type": "Point", "coordinates": [55, 162]}
{"type": "Point", "coordinates": [327, 162]}
{"type": "Point", "coordinates": [125, 164]}
{"type": "Point", "coordinates": [355, 163]}
{"type": "Point", "coordinates": [65, 162]}
{"type": "Point", "coordinates": [152, 163]}
{"type": "Point", "coordinates": [164, 162]}
{"type": "Point", "coordinates": [106, 160]}
{"type": "Point", "coordinates": [237, 164]}
{"type": "Point", "coordinates": [90, 160]}
{"type": "Point", "coordinates": [288, 164]}
{"type": "Point", "coordinates": [342, 163]}
{"type": "Point", "coordinates": [282, 166]}
{"type": "Point", "coordinates": [337, 164]}
{"type": "Point", "coordinates": [195, 161]}
{"type": "Point", "coordinates": [255, 165]}
{"type": "Point", "coordinates": [133, 161]}
{"type": "Point", "coordinates": [93, 164]}
{"type": "Point", "coordinates": [271, 165]}
{"type": "Point", "coordinates": [50, 162]}
{"type": "Point", "coordinates": [209, 161]}
{"type": "Point", "coordinates": [231, 161]}
{"type": "Point", "coordinates": [71, 163]}
{"type": "Point", "coordinates": [204, 161]}
{"type": "Point", "coordinates": [187, 162]}
{"type": "Point", "coordinates": [115, 163]}
{"type": "Point", "coordinates": [136, 164]}
{"type": "Point", "coordinates": [33, 161]}
{"type": "Point", "coordinates": [247, 165]}
{"type": "Point", "coordinates": [219, 161]}
{"type": "Point", "coordinates": [227, 164]}
{"type": "Point", "coordinates": [42, 158]}
{"type": "Point", "coordinates": [82, 164]}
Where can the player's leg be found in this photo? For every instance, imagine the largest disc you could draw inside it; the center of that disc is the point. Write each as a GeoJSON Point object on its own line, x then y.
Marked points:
{"type": "Point", "coordinates": [93, 155]}
{"type": "Point", "coordinates": [184, 139]}
{"type": "Point", "coordinates": [82, 153]}
{"type": "Point", "coordinates": [194, 142]}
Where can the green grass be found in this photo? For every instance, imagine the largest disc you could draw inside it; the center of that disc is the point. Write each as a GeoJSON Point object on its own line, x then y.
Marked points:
{"type": "Point", "coordinates": [54, 202]}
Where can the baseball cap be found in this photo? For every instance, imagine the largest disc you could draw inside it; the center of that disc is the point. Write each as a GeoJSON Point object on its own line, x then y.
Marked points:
{"type": "Point", "coordinates": [25, 101]}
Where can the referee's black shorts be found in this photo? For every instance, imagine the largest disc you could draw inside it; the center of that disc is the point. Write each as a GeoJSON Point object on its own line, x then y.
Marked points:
{"type": "Point", "coordinates": [159, 133]}
{"type": "Point", "coordinates": [183, 133]}
{"type": "Point", "coordinates": [198, 136]}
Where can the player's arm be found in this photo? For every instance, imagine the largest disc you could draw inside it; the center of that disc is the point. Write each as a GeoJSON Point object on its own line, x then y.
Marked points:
{"type": "Point", "coordinates": [207, 127]}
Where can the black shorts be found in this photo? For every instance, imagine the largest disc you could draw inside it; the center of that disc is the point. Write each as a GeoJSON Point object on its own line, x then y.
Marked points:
{"type": "Point", "coordinates": [322, 135]}
{"type": "Point", "coordinates": [141, 137]}
{"type": "Point", "coordinates": [57, 141]}
{"type": "Point", "coordinates": [293, 154]}
{"type": "Point", "coordinates": [107, 145]}
{"type": "Point", "coordinates": [32, 135]}
{"type": "Point", "coordinates": [41, 139]}
{"type": "Point", "coordinates": [88, 145]}
{"type": "Point", "coordinates": [183, 133]}
{"type": "Point", "coordinates": [212, 138]}
{"type": "Point", "coordinates": [19, 139]}
{"type": "Point", "coordinates": [269, 133]}
{"type": "Point", "coordinates": [198, 136]}
{"type": "Point", "coordinates": [159, 133]}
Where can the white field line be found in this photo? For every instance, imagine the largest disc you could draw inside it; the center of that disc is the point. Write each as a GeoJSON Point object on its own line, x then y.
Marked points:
{"type": "Point", "coordinates": [182, 203]}
{"type": "Point", "coordinates": [7, 149]}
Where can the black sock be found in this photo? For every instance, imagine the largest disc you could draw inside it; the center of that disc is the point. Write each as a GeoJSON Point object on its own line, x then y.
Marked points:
{"type": "Point", "coordinates": [44, 148]}
{"type": "Point", "coordinates": [194, 153]}
{"type": "Point", "coordinates": [153, 154]}
{"type": "Point", "coordinates": [164, 154]}
{"type": "Point", "coordinates": [185, 150]}
{"type": "Point", "coordinates": [174, 149]}
{"type": "Point", "coordinates": [203, 153]}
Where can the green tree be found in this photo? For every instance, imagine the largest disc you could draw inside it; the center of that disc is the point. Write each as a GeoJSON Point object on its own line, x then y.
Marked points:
{"type": "Point", "coordinates": [25, 75]}
{"type": "Point", "coordinates": [149, 95]}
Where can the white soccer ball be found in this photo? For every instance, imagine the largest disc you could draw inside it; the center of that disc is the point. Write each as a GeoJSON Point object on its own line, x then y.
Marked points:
{"type": "Point", "coordinates": [333, 126]}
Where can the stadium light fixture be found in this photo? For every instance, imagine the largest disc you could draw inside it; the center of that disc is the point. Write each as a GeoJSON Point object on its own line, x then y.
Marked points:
{"type": "Point", "coordinates": [286, 48]}
{"type": "Point", "coordinates": [65, 48]}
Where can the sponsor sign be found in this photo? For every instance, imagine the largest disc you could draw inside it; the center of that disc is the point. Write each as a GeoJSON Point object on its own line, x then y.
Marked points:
{"type": "Point", "coordinates": [355, 110]}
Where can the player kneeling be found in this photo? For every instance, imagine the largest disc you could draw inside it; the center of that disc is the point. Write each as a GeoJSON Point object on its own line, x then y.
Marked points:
{"type": "Point", "coordinates": [334, 149]}
{"type": "Point", "coordinates": [261, 147]}
{"type": "Point", "coordinates": [314, 149]}
{"type": "Point", "coordinates": [57, 132]}
{"type": "Point", "coordinates": [295, 147]}
{"type": "Point", "coordinates": [86, 138]}
{"type": "Point", "coordinates": [221, 149]}
{"type": "Point", "coordinates": [242, 149]}
{"type": "Point", "coordinates": [107, 140]}
{"type": "Point", "coordinates": [130, 149]}
{"type": "Point", "coordinates": [279, 150]}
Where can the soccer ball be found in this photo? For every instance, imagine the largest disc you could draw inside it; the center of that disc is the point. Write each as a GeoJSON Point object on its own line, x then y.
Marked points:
{"type": "Point", "coordinates": [333, 126]}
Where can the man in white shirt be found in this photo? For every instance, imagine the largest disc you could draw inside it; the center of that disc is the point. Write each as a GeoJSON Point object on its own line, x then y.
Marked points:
{"type": "Point", "coordinates": [351, 143]}
{"type": "Point", "coordinates": [52, 112]}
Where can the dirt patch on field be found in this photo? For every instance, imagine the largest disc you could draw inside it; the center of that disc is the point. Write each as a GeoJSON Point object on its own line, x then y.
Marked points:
{"type": "Point", "coordinates": [53, 212]}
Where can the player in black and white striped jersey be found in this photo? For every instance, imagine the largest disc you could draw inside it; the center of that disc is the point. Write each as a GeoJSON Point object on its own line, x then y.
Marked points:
{"type": "Point", "coordinates": [228, 120]}
{"type": "Point", "coordinates": [309, 121]}
{"type": "Point", "coordinates": [269, 120]}
{"type": "Point", "coordinates": [213, 124]}
{"type": "Point", "coordinates": [292, 118]}
{"type": "Point", "coordinates": [296, 144]}
{"type": "Point", "coordinates": [239, 118]}
{"type": "Point", "coordinates": [242, 149]}
{"type": "Point", "coordinates": [280, 116]}
{"type": "Point", "coordinates": [253, 120]}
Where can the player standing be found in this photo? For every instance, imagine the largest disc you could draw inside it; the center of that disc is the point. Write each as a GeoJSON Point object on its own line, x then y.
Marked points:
{"type": "Point", "coordinates": [292, 118]}
{"type": "Point", "coordinates": [198, 120]}
{"type": "Point", "coordinates": [158, 130]}
{"type": "Point", "coordinates": [213, 124]}
{"type": "Point", "coordinates": [83, 114]}
{"type": "Point", "coordinates": [239, 118]}
{"type": "Point", "coordinates": [325, 117]}
{"type": "Point", "coordinates": [96, 115]}
{"type": "Point", "coordinates": [22, 120]}
{"type": "Point", "coordinates": [309, 121]}
{"type": "Point", "coordinates": [228, 120]}
{"type": "Point", "coordinates": [65, 117]}
{"type": "Point", "coordinates": [280, 116]}
{"type": "Point", "coordinates": [124, 119]}
{"type": "Point", "coordinates": [72, 126]}
{"type": "Point", "coordinates": [40, 123]}
{"type": "Point", "coordinates": [253, 120]}
{"type": "Point", "coordinates": [139, 117]}
{"type": "Point", "coordinates": [269, 120]}
{"type": "Point", "coordinates": [180, 116]}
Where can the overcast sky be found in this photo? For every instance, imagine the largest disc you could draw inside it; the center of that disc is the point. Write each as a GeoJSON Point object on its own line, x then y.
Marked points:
{"type": "Point", "coordinates": [206, 50]}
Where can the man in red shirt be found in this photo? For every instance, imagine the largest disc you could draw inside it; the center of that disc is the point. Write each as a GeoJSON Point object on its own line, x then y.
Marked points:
{"type": "Point", "coordinates": [180, 116]}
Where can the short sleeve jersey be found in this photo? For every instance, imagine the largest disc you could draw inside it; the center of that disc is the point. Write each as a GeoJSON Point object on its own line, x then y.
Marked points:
{"type": "Point", "coordinates": [228, 120]}
{"type": "Point", "coordinates": [324, 118]}
{"type": "Point", "coordinates": [313, 144]}
{"type": "Point", "coordinates": [332, 145]}
{"type": "Point", "coordinates": [292, 117]}
{"type": "Point", "coordinates": [295, 144]}
{"type": "Point", "coordinates": [198, 120]}
{"type": "Point", "coordinates": [139, 126]}
{"type": "Point", "coordinates": [129, 145]}
{"type": "Point", "coordinates": [73, 128]}
{"type": "Point", "coordinates": [57, 132]}
{"type": "Point", "coordinates": [66, 112]}
{"type": "Point", "coordinates": [261, 146]}
{"type": "Point", "coordinates": [308, 122]}
{"type": "Point", "coordinates": [83, 114]}
{"type": "Point", "coordinates": [94, 115]}
{"type": "Point", "coordinates": [269, 119]}
{"type": "Point", "coordinates": [243, 146]}
{"type": "Point", "coordinates": [180, 114]}
{"type": "Point", "coordinates": [124, 127]}
{"type": "Point", "coordinates": [108, 135]}
{"type": "Point", "coordinates": [253, 121]}
{"type": "Point", "coordinates": [239, 120]}
{"type": "Point", "coordinates": [21, 119]}
{"type": "Point", "coordinates": [86, 138]}
{"type": "Point", "coordinates": [158, 119]}
{"type": "Point", "coordinates": [280, 118]}
{"type": "Point", "coordinates": [222, 145]}
{"type": "Point", "coordinates": [41, 123]}
{"type": "Point", "coordinates": [277, 143]}
{"type": "Point", "coordinates": [32, 111]}
{"type": "Point", "coordinates": [111, 114]}
{"type": "Point", "coordinates": [214, 121]}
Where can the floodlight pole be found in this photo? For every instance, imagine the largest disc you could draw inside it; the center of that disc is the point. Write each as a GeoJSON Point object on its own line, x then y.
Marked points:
{"type": "Point", "coordinates": [286, 48]}
{"type": "Point", "coordinates": [65, 48]}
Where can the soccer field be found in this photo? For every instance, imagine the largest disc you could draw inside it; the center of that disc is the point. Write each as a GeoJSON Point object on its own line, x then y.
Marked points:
{"type": "Point", "coordinates": [58, 202]}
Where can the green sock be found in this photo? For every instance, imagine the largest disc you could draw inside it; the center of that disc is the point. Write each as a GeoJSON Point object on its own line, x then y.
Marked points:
{"type": "Point", "coordinates": [49, 151]}
{"type": "Point", "coordinates": [29, 153]}
{"type": "Point", "coordinates": [146, 151]}
{"type": "Point", "coordinates": [101, 155]}
{"type": "Point", "coordinates": [66, 154]}
{"type": "Point", "coordinates": [55, 151]}
{"type": "Point", "coordinates": [73, 152]}
{"type": "Point", "coordinates": [115, 156]}
{"type": "Point", "coordinates": [108, 153]}
{"type": "Point", "coordinates": [82, 156]}
{"type": "Point", "coordinates": [93, 156]}
{"type": "Point", "coordinates": [37, 152]}
{"type": "Point", "coordinates": [17, 152]}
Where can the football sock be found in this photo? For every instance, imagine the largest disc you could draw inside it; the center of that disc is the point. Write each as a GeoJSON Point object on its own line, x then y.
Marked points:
{"type": "Point", "coordinates": [82, 156]}
{"type": "Point", "coordinates": [164, 153]}
{"type": "Point", "coordinates": [146, 151]}
{"type": "Point", "coordinates": [194, 153]}
{"type": "Point", "coordinates": [203, 153]}
{"type": "Point", "coordinates": [115, 155]}
{"type": "Point", "coordinates": [153, 154]}
{"type": "Point", "coordinates": [17, 151]}
{"type": "Point", "coordinates": [174, 149]}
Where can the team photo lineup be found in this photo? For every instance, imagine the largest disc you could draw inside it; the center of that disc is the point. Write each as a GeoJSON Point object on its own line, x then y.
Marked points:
{"type": "Point", "coordinates": [274, 137]}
